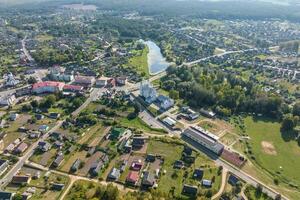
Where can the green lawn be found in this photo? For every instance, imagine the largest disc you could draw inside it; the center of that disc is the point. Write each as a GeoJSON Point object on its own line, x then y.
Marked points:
{"type": "Point", "coordinates": [139, 124]}
{"type": "Point", "coordinates": [280, 157]}
{"type": "Point", "coordinates": [139, 61]}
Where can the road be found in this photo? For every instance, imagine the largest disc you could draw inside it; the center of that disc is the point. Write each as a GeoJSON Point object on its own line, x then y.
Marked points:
{"type": "Point", "coordinates": [93, 96]}
{"type": "Point", "coordinates": [14, 170]}
{"type": "Point", "coordinates": [74, 178]}
{"type": "Point", "coordinates": [223, 184]}
{"type": "Point", "coordinates": [25, 51]}
{"type": "Point", "coordinates": [7, 178]}
{"type": "Point", "coordinates": [218, 55]}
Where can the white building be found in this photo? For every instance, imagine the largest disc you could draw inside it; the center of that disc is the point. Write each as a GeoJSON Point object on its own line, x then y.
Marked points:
{"type": "Point", "coordinates": [165, 102]}
{"type": "Point", "coordinates": [57, 73]}
{"type": "Point", "coordinates": [7, 100]}
{"type": "Point", "coordinates": [148, 92]}
{"type": "Point", "coordinates": [10, 80]}
{"type": "Point", "coordinates": [204, 138]}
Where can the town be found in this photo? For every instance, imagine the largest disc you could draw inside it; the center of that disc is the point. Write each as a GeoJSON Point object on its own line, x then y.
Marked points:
{"type": "Point", "coordinates": [197, 109]}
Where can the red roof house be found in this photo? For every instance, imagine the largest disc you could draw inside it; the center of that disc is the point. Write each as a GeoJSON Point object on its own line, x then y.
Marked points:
{"type": "Point", "coordinates": [132, 177]}
{"type": "Point", "coordinates": [47, 87]}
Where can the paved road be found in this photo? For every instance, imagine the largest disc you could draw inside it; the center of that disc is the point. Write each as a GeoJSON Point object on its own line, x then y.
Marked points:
{"type": "Point", "coordinates": [7, 178]}
{"type": "Point", "coordinates": [25, 51]}
{"type": "Point", "coordinates": [93, 96]}
{"type": "Point", "coordinates": [218, 55]}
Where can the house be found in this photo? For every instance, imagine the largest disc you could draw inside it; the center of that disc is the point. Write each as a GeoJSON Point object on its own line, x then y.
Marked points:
{"type": "Point", "coordinates": [204, 138]}
{"type": "Point", "coordinates": [121, 80]}
{"type": "Point", "coordinates": [96, 167]}
{"type": "Point", "coordinates": [116, 133]}
{"type": "Point", "coordinates": [178, 164]}
{"type": "Point", "coordinates": [148, 179]}
{"type": "Point", "coordinates": [91, 151]}
{"type": "Point", "coordinates": [23, 91]}
{"type": "Point", "coordinates": [207, 113]}
{"type": "Point", "coordinates": [169, 122]}
{"type": "Point", "coordinates": [111, 83]}
{"type": "Point", "coordinates": [148, 92]}
{"type": "Point", "coordinates": [187, 150]}
{"type": "Point", "coordinates": [102, 82]}
{"type": "Point", "coordinates": [114, 174]}
{"type": "Point", "coordinates": [21, 148]}
{"type": "Point", "coordinates": [233, 180]}
{"type": "Point", "coordinates": [132, 178]}
{"type": "Point", "coordinates": [73, 88]}
{"type": "Point", "coordinates": [10, 80]}
{"type": "Point", "coordinates": [9, 148]}
{"type": "Point", "coordinates": [43, 128]}
{"type": "Point", "coordinates": [13, 116]}
{"type": "Point", "coordinates": [165, 102]}
{"type": "Point", "coordinates": [58, 160]}
{"type": "Point", "coordinates": [34, 134]}
{"type": "Point", "coordinates": [6, 195]}
{"type": "Point", "coordinates": [138, 142]}
{"type": "Point", "coordinates": [190, 190]}
{"type": "Point", "coordinates": [76, 165]}
{"type": "Point", "coordinates": [21, 179]}
{"type": "Point", "coordinates": [57, 186]}
{"type": "Point", "coordinates": [58, 144]}
{"type": "Point", "coordinates": [86, 81]}
{"type": "Point", "coordinates": [150, 158]}
{"type": "Point", "coordinates": [206, 183]}
{"type": "Point", "coordinates": [7, 100]}
{"type": "Point", "coordinates": [191, 115]}
{"type": "Point", "coordinates": [26, 195]}
{"type": "Point", "coordinates": [198, 174]}
{"type": "Point", "coordinates": [3, 166]}
{"type": "Point", "coordinates": [44, 146]}
{"type": "Point", "coordinates": [47, 87]}
{"type": "Point", "coordinates": [136, 166]}
{"type": "Point", "coordinates": [57, 73]}
{"type": "Point", "coordinates": [54, 115]}
{"type": "Point", "coordinates": [39, 116]}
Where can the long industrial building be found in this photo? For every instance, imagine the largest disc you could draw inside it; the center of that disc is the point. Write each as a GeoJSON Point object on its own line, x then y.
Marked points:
{"type": "Point", "coordinates": [204, 138]}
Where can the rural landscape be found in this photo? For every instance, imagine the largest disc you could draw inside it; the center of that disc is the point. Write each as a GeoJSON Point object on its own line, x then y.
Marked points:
{"type": "Point", "coordinates": [149, 99]}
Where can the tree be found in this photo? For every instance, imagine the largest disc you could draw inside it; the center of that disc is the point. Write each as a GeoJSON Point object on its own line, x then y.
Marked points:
{"type": "Point", "coordinates": [296, 109]}
{"type": "Point", "coordinates": [174, 94]}
{"type": "Point", "coordinates": [32, 80]}
{"type": "Point", "coordinates": [288, 123]}
{"type": "Point", "coordinates": [49, 102]}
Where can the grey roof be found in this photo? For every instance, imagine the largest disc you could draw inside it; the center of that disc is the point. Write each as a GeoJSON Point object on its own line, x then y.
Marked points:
{"type": "Point", "coordinates": [148, 179]}
{"type": "Point", "coordinates": [114, 173]}
{"type": "Point", "coordinates": [199, 135]}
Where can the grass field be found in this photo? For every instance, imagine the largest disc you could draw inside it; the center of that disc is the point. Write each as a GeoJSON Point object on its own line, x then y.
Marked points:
{"type": "Point", "coordinates": [44, 38]}
{"type": "Point", "coordinates": [139, 62]}
{"type": "Point", "coordinates": [140, 125]}
{"type": "Point", "coordinates": [272, 151]}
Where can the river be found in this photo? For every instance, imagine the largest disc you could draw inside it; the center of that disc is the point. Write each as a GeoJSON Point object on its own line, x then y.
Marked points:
{"type": "Point", "coordinates": [156, 61]}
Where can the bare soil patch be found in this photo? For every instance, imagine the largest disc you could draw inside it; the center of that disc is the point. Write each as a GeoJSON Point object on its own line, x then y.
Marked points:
{"type": "Point", "coordinates": [268, 148]}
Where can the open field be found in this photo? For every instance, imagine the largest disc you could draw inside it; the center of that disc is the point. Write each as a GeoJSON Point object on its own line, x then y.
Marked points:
{"type": "Point", "coordinates": [139, 61]}
{"type": "Point", "coordinates": [274, 153]}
